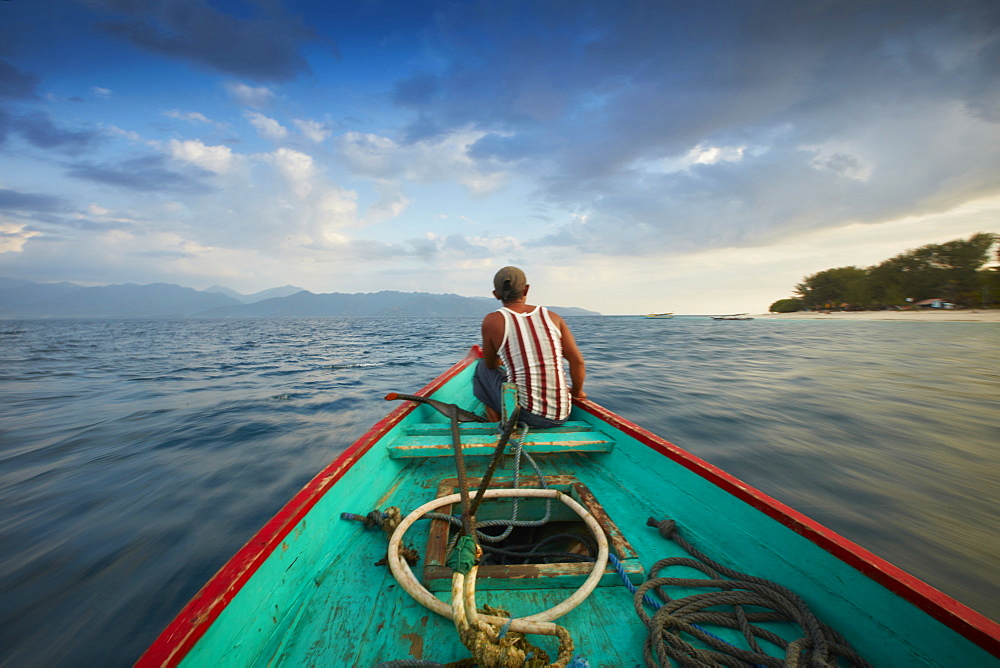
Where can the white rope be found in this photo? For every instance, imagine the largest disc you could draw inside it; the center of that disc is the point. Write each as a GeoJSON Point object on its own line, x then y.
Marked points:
{"type": "Point", "coordinates": [535, 624]}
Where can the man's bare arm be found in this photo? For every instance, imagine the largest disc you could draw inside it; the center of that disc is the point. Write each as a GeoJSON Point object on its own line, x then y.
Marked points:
{"type": "Point", "coordinates": [492, 329]}
{"type": "Point", "coordinates": [577, 367]}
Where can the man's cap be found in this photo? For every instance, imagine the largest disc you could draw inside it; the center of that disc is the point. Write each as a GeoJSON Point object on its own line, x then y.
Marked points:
{"type": "Point", "coordinates": [509, 279]}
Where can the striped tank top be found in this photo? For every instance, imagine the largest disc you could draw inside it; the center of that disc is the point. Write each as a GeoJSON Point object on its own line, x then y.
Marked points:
{"type": "Point", "coordinates": [531, 351]}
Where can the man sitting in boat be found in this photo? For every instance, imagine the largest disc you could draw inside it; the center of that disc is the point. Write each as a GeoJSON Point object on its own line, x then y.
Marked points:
{"type": "Point", "coordinates": [525, 345]}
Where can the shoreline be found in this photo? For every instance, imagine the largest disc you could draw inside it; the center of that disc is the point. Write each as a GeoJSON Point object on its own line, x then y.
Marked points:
{"type": "Point", "coordinates": [957, 315]}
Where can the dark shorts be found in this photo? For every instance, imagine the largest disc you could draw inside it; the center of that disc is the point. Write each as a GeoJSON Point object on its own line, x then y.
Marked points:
{"type": "Point", "coordinates": [486, 385]}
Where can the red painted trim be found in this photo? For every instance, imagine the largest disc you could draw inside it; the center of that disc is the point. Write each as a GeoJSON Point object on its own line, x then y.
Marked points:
{"type": "Point", "coordinates": [197, 616]}
{"type": "Point", "coordinates": [964, 620]}
{"type": "Point", "coordinates": [193, 621]}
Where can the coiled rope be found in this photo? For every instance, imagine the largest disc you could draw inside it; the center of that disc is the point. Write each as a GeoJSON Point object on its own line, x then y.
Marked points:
{"type": "Point", "coordinates": [819, 647]}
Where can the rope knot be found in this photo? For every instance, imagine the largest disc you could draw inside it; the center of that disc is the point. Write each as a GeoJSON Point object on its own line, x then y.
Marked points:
{"type": "Point", "coordinates": [505, 628]}
{"type": "Point", "coordinates": [667, 528]}
{"type": "Point", "coordinates": [389, 519]}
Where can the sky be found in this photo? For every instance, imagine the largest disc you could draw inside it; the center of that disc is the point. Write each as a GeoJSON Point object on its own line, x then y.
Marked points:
{"type": "Point", "coordinates": [630, 156]}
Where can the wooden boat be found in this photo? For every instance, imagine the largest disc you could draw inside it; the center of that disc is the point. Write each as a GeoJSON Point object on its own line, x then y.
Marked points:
{"type": "Point", "coordinates": [734, 316]}
{"type": "Point", "coordinates": [659, 315]}
{"type": "Point", "coordinates": [310, 588]}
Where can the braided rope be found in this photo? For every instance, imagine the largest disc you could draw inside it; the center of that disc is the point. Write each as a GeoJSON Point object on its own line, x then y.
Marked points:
{"type": "Point", "coordinates": [819, 647]}
{"type": "Point", "coordinates": [513, 522]}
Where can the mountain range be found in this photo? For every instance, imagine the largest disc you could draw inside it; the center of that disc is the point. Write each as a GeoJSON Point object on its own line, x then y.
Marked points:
{"type": "Point", "coordinates": [27, 299]}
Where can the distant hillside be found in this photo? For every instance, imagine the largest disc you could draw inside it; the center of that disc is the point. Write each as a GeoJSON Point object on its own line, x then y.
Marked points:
{"type": "Point", "coordinates": [25, 299]}
{"type": "Point", "coordinates": [17, 297]}
{"type": "Point", "coordinates": [257, 296]}
{"type": "Point", "coordinates": [65, 300]}
{"type": "Point", "coordinates": [308, 304]}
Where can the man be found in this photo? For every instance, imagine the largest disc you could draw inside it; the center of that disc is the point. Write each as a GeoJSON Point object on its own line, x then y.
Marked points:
{"type": "Point", "coordinates": [525, 345]}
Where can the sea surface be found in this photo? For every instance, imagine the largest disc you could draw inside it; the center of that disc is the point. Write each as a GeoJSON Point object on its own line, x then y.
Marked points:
{"type": "Point", "coordinates": [137, 456]}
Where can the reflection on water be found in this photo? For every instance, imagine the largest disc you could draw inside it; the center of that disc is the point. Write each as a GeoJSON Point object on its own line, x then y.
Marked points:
{"type": "Point", "coordinates": [138, 456]}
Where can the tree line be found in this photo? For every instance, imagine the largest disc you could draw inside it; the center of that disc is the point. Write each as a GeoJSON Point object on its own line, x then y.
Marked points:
{"type": "Point", "coordinates": [952, 272]}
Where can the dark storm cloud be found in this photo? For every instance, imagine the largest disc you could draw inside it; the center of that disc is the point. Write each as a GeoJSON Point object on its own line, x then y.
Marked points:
{"type": "Point", "coordinates": [416, 91]}
{"type": "Point", "coordinates": [15, 84]}
{"type": "Point", "coordinates": [264, 47]}
{"type": "Point", "coordinates": [52, 215]}
{"type": "Point", "coordinates": [507, 148]}
{"type": "Point", "coordinates": [846, 110]}
{"type": "Point", "coordinates": [38, 128]}
{"type": "Point", "coordinates": [13, 201]}
{"type": "Point", "coordinates": [146, 174]}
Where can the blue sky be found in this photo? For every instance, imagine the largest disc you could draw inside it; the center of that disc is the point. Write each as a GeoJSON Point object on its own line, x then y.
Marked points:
{"type": "Point", "coordinates": [630, 156]}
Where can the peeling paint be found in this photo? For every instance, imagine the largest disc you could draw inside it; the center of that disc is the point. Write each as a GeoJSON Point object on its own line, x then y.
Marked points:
{"type": "Point", "coordinates": [416, 644]}
{"type": "Point", "coordinates": [388, 494]}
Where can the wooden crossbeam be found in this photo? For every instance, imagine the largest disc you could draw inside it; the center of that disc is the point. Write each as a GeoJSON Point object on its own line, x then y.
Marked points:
{"type": "Point", "coordinates": [434, 440]}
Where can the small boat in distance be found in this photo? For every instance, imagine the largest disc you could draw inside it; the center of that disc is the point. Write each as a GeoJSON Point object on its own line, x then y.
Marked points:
{"type": "Point", "coordinates": [734, 316]}
{"type": "Point", "coordinates": [659, 315]}
{"type": "Point", "coordinates": [388, 558]}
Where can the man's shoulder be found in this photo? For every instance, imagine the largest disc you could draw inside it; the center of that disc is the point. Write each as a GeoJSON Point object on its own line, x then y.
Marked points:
{"type": "Point", "coordinates": [552, 314]}
{"type": "Point", "coordinates": [494, 319]}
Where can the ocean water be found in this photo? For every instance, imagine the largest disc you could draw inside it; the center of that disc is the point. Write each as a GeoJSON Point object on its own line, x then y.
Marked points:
{"type": "Point", "coordinates": [137, 456]}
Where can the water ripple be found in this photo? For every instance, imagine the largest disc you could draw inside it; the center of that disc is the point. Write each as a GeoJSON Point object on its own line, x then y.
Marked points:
{"type": "Point", "coordinates": [137, 456]}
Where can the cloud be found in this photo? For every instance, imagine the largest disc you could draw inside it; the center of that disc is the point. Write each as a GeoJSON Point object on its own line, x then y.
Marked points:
{"type": "Point", "coordinates": [250, 96]}
{"type": "Point", "coordinates": [311, 208]}
{"type": "Point", "coordinates": [440, 158]}
{"type": "Point", "coordinates": [192, 116]}
{"type": "Point", "coordinates": [37, 127]}
{"type": "Point", "coordinates": [267, 127]}
{"type": "Point", "coordinates": [590, 133]}
{"type": "Point", "coordinates": [217, 159]}
{"type": "Point", "coordinates": [49, 217]}
{"type": "Point", "coordinates": [455, 249]}
{"type": "Point", "coordinates": [15, 201]}
{"type": "Point", "coordinates": [676, 126]}
{"type": "Point", "coordinates": [313, 130]}
{"type": "Point", "coordinates": [15, 84]}
{"type": "Point", "coordinates": [144, 174]}
{"type": "Point", "coordinates": [299, 170]}
{"type": "Point", "coordinates": [391, 203]}
{"type": "Point", "coordinates": [417, 90]}
{"type": "Point", "coordinates": [878, 176]}
{"type": "Point", "coordinates": [279, 202]}
{"type": "Point", "coordinates": [263, 47]}
{"type": "Point", "coordinates": [95, 223]}
{"type": "Point", "coordinates": [13, 237]}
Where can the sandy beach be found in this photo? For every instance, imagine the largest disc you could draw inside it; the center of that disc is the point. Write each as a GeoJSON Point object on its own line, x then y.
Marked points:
{"type": "Point", "coordinates": [957, 315]}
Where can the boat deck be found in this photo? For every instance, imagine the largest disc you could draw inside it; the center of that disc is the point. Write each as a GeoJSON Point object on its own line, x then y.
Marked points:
{"type": "Point", "coordinates": [337, 624]}
{"type": "Point", "coordinates": [321, 599]}
{"type": "Point", "coordinates": [605, 627]}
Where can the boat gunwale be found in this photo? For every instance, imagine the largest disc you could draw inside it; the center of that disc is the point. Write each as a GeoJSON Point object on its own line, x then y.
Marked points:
{"type": "Point", "coordinates": [194, 619]}
{"type": "Point", "coordinates": [957, 616]}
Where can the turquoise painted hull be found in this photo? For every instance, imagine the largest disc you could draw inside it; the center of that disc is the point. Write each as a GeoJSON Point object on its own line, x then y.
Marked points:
{"type": "Point", "coordinates": [306, 589]}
